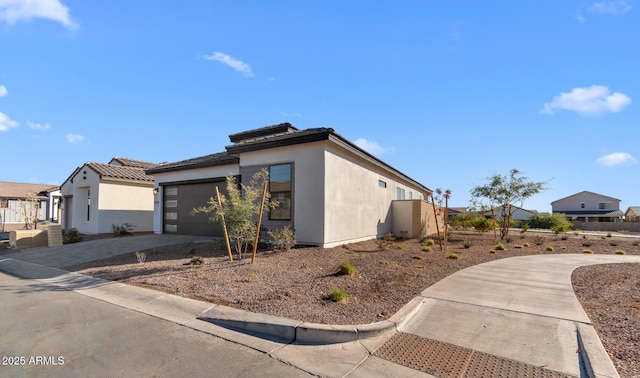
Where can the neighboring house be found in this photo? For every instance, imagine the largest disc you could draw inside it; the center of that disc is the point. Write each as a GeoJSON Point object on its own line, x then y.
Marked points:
{"type": "Point", "coordinates": [588, 207]}
{"type": "Point", "coordinates": [517, 213]}
{"type": "Point", "coordinates": [16, 197]}
{"type": "Point", "coordinates": [97, 196]}
{"type": "Point", "coordinates": [454, 211]}
{"type": "Point", "coordinates": [632, 214]}
{"type": "Point", "coordinates": [330, 191]}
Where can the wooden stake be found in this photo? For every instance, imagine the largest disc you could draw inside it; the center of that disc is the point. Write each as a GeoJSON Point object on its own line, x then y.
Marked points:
{"type": "Point", "coordinates": [255, 242]}
{"type": "Point", "coordinates": [435, 215]}
{"type": "Point", "coordinates": [224, 227]}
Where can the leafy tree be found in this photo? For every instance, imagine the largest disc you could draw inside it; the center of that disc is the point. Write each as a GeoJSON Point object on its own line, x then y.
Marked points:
{"type": "Point", "coordinates": [503, 190]}
{"type": "Point", "coordinates": [239, 209]}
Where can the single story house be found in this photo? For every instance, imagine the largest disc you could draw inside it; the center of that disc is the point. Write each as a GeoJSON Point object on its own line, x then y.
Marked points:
{"type": "Point", "coordinates": [517, 213]}
{"type": "Point", "coordinates": [96, 196]}
{"type": "Point", "coordinates": [632, 214]}
{"type": "Point", "coordinates": [18, 197]}
{"type": "Point", "coordinates": [588, 207]}
{"type": "Point", "coordinates": [330, 191]}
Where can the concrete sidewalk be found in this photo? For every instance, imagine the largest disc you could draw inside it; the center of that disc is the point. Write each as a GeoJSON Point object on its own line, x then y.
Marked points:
{"type": "Point", "coordinates": [521, 311]}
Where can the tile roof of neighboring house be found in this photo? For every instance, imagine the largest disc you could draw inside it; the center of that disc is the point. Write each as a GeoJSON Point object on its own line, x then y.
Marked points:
{"type": "Point", "coordinates": [284, 139]}
{"type": "Point", "coordinates": [634, 209]}
{"type": "Point", "coordinates": [212, 160]}
{"type": "Point", "coordinates": [262, 132]}
{"type": "Point", "coordinates": [120, 172]}
{"type": "Point", "coordinates": [22, 190]}
{"type": "Point", "coordinates": [585, 192]}
{"type": "Point", "coordinates": [133, 163]}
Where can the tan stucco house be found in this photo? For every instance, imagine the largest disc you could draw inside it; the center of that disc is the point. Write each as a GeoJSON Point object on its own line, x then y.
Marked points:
{"type": "Point", "coordinates": [632, 214]}
{"type": "Point", "coordinates": [330, 191]}
{"type": "Point", "coordinates": [14, 196]}
{"type": "Point", "coordinates": [97, 196]}
{"type": "Point", "coordinates": [588, 207]}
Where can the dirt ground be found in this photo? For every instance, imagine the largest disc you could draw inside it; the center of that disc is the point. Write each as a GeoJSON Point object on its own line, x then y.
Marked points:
{"type": "Point", "coordinates": [295, 284]}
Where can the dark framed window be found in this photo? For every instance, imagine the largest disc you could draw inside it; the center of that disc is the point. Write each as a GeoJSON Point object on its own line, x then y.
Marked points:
{"type": "Point", "coordinates": [280, 189]}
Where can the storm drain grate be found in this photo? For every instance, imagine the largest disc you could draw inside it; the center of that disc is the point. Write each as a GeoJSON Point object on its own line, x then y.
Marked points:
{"type": "Point", "coordinates": [448, 361]}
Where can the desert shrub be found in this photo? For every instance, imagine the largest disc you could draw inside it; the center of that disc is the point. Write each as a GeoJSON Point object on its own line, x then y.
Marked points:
{"type": "Point", "coordinates": [586, 243]}
{"type": "Point", "coordinates": [124, 229]}
{"type": "Point", "coordinates": [608, 234]}
{"type": "Point", "coordinates": [418, 257]}
{"type": "Point", "coordinates": [613, 243]}
{"type": "Point", "coordinates": [467, 244]}
{"type": "Point", "coordinates": [337, 295]}
{"type": "Point", "coordinates": [426, 248]}
{"type": "Point", "coordinates": [518, 246]}
{"type": "Point", "coordinates": [500, 247]}
{"type": "Point", "coordinates": [430, 242]}
{"type": "Point", "coordinates": [346, 267]}
{"type": "Point", "coordinates": [282, 239]}
{"type": "Point", "coordinates": [384, 262]}
{"type": "Point", "coordinates": [141, 256]}
{"type": "Point", "coordinates": [576, 233]}
{"type": "Point", "coordinates": [526, 245]}
{"type": "Point", "coordinates": [564, 237]}
{"type": "Point", "coordinates": [421, 266]}
{"type": "Point", "coordinates": [563, 248]}
{"type": "Point", "coordinates": [197, 260]}
{"type": "Point", "coordinates": [482, 224]}
{"type": "Point", "coordinates": [492, 251]}
{"type": "Point", "coordinates": [524, 228]}
{"type": "Point", "coordinates": [71, 236]}
{"type": "Point", "coordinates": [464, 219]}
{"type": "Point", "coordinates": [549, 248]}
{"type": "Point", "coordinates": [587, 251]}
{"type": "Point", "coordinates": [389, 237]}
{"type": "Point", "coordinates": [453, 256]}
{"type": "Point", "coordinates": [636, 243]}
{"type": "Point", "coordinates": [619, 252]}
{"type": "Point", "coordinates": [508, 239]}
{"type": "Point", "coordinates": [400, 246]}
{"type": "Point", "coordinates": [555, 222]}
{"type": "Point", "coordinates": [538, 240]}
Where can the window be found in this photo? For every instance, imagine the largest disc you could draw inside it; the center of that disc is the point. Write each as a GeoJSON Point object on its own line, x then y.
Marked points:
{"type": "Point", "coordinates": [171, 191]}
{"type": "Point", "coordinates": [280, 189]}
{"type": "Point", "coordinates": [410, 195]}
{"type": "Point", "coordinates": [171, 203]}
{"type": "Point", "coordinates": [582, 205]}
{"type": "Point", "coordinates": [88, 204]}
{"type": "Point", "coordinates": [382, 184]}
{"type": "Point", "coordinates": [604, 206]}
{"type": "Point", "coordinates": [171, 215]}
{"type": "Point", "coordinates": [399, 193]}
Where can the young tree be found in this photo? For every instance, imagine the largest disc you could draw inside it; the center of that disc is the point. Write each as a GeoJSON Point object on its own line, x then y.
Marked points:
{"type": "Point", "coordinates": [239, 209]}
{"type": "Point", "coordinates": [29, 208]}
{"type": "Point", "coordinates": [503, 190]}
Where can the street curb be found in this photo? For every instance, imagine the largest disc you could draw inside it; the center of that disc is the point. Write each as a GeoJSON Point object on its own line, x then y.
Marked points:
{"type": "Point", "coordinates": [597, 362]}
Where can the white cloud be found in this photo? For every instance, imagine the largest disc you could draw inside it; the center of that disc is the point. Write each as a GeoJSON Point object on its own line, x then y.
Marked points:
{"type": "Point", "coordinates": [227, 60]}
{"type": "Point", "coordinates": [38, 126]}
{"type": "Point", "coordinates": [616, 8]}
{"type": "Point", "coordinates": [12, 11]}
{"type": "Point", "coordinates": [75, 138]}
{"type": "Point", "coordinates": [617, 158]}
{"type": "Point", "coordinates": [592, 100]}
{"type": "Point", "coordinates": [3, 91]}
{"type": "Point", "coordinates": [372, 147]}
{"type": "Point", "coordinates": [6, 123]}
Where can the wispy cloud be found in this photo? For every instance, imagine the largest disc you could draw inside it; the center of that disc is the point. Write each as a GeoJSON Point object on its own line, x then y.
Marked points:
{"type": "Point", "coordinates": [3, 91]}
{"type": "Point", "coordinates": [373, 147]}
{"type": "Point", "coordinates": [593, 100]}
{"type": "Point", "coordinates": [38, 126]}
{"type": "Point", "coordinates": [615, 8]}
{"type": "Point", "coordinates": [6, 123]}
{"type": "Point", "coordinates": [12, 11]}
{"type": "Point", "coordinates": [617, 158]}
{"type": "Point", "coordinates": [232, 62]}
{"type": "Point", "coordinates": [75, 138]}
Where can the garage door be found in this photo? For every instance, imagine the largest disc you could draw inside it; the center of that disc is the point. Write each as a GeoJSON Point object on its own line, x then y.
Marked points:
{"type": "Point", "coordinates": [180, 199]}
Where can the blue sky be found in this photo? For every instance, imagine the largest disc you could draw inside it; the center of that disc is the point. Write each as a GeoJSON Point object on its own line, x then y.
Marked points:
{"type": "Point", "coordinates": [448, 92]}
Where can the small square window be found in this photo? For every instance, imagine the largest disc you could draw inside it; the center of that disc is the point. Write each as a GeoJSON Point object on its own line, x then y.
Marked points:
{"type": "Point", "coordinates": [382, 184]}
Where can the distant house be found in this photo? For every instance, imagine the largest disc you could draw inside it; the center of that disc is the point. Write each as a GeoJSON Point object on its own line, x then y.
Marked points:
{"type": "Point", "coordinates": [97, 196]}
{"type": "Point", "coordinates": [330, 191]}
{"type": "Point", "coordinates": [588, 207]}
{"type": "Point", "coordinates": [16, 197]}
{"type": "Point", "coordinates": [517, 213]}
{"type": "Point", "coordinates": [632, 214]}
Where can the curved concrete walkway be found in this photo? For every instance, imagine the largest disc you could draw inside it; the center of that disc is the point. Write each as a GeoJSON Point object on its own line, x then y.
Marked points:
{"type": "Point", "coordinates": [522, 309]}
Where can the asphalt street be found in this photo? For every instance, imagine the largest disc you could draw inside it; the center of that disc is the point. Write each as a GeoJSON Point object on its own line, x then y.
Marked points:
{"type": "Point", "coordinates": [46, 331]}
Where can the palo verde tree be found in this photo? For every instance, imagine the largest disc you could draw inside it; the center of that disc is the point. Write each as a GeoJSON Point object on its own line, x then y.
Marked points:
{"type": "Point", "coordinates": [504, 190]}
{"type": "Point", "coordinates": [239, 209]}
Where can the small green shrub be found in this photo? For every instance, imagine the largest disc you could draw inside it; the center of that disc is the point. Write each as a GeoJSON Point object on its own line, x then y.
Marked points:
{"type": "Point", "coordinates": [389, 237]}
{"type": "Point", "coordinates": [400, 246]}
{"type": "Point", "coordinates": [564, 237]}
{"type": "Point", "coordinates": [71, 236]}
{"type": "Point", "coordinates": [430, 242]}
{"type": "Point", "coordinates": [576, 233]}
{"type": "Point", "coordinates": [426, 248]}
{"type": "Point", "coordinates": [197, 260]}
{"type": "Point", "coordinates": [619, 252]}
{"type": "Point", "coordinates": [587, 251]}
{"type": "Point", "coordinates": [563, 248]}
{"type": "Point", "coordinates": [467, 244]}
{"type": "Point", "coordinates": [124, 229]}
{"type": "Point", "coordinates": [141, 256]}
{"type": "Point", "coordinates": [346, 267]}
{"type": "Point", "coordinates": [508, 239]}
{"type": "Point", "coordinates": [636, 243]}
{"type": "Point", "coordinates": [337, 295]}
{"type": "Point", "coordinates": [492, 251]}
{"type": "Point", "coordinates": [418, 257]}
{"type": "Point", "coordinates": [608, 234]}
{"type": "Point", "coordinates": [500, 247]}
{"type": "Point", "coordinates": [524, 228]}
{"type": "Point", "coordinates": [453, 256]}
{"type": "Point", "coordinates": [549, 248]}
{"type": "Point", "coordinates": [384, 262]}
{"type": "Point", "coordinates": [421, 266]}
{"type": "Point", "coordinates": [282, 239]}
{"type": "Point", "coordinates": [586, 243]}
{"type": "Point", "coordinates": [538, 240]}
{"type": "Point", "coordinates": [613, 243]}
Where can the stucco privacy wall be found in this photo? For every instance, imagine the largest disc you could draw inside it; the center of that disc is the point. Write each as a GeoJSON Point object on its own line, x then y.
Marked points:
{"type": "Point", "coordinates": [125, 203]}
{"type": "Point", "coordinates": [357, 206]}
{"type": "Point", "coordinates": [162, 179]}
{"type": "Point", "coordinates": [308, 185]}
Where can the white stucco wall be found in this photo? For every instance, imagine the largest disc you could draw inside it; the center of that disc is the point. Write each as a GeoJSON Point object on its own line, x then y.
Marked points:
{"type": "Point", "coordinates": [308, 177]}
{"type": "Point", "coordinates": [86, 181]}
{"type": "Point", "coordinates": [120, 203]}
{"type": "Point", "coordinates": [182, 176]}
